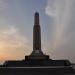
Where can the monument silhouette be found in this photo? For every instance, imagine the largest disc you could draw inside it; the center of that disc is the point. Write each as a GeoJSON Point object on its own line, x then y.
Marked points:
{"type": "Point", "coordinates": [37, 52]}
{"type": "Point", "coordinates": [37, 61]}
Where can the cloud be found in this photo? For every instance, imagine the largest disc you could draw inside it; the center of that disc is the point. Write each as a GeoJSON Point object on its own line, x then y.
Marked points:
{"type": "Point", "coordinates": [13, 45]}
{"type": "Point", "coordinates": [63, 13]}
{"type": "Point", "coordinates": [50, 8]}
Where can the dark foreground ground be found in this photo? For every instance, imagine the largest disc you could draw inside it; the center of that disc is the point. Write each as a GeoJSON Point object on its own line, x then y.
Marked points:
{"type": "Point", "coordinates": [37, 71]}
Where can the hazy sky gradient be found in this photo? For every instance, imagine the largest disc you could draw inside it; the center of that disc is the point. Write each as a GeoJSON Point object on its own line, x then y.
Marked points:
{"type": "Point", "coordinates": [57, 20]}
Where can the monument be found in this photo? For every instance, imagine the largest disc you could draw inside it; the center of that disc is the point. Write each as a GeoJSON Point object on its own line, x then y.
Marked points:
{"type": "Point", "coordinates": [37, 52]}
{"type": "Point", "coordinates": [37, 62]}
{"type": "Point", "coordinates": [37, 57]}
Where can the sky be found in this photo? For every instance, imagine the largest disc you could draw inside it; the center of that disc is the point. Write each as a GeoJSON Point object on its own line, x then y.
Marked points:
{"type": "Point", "coordinates": [57, 21]}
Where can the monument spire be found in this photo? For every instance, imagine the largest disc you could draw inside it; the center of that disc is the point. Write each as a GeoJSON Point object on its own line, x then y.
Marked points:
{"type": "Point", "coordinates": [36, 33]}
{"type": "Point", "coordinates": [37, 52]}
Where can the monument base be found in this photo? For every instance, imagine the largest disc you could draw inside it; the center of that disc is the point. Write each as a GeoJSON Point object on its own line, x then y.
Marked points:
{"type": "Point", "coordinates": [43, 57]}
{"type": "Point", "coordinates": [37, 54]}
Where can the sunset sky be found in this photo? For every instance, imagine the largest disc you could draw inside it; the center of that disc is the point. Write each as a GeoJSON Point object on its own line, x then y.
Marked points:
{"type": "Point", "coordinates": [57, 21]}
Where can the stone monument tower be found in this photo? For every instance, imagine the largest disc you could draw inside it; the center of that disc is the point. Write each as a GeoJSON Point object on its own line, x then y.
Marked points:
{"type": "Point", "coordinates": [37, 52]}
